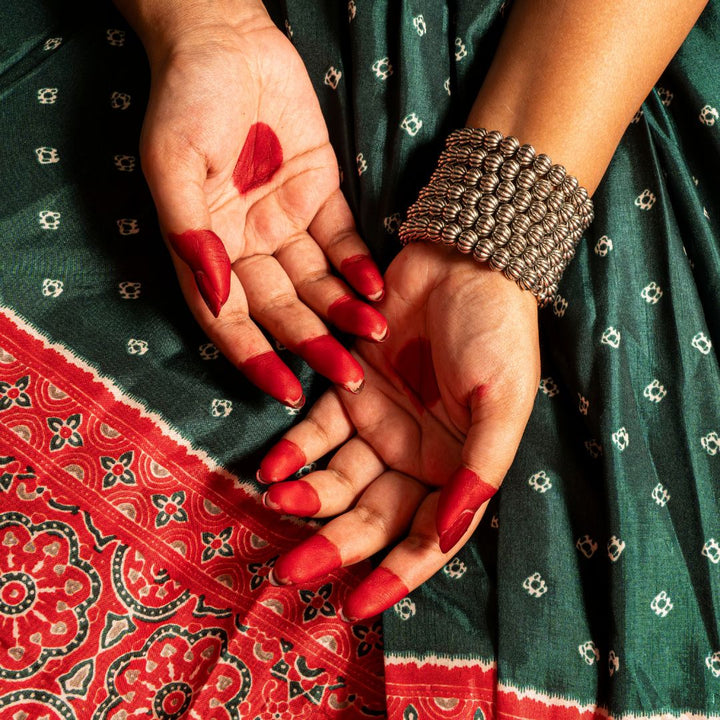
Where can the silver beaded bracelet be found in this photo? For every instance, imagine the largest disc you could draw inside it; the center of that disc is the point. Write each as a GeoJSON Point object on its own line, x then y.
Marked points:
{"type": "Point", "coordinates": [508, 206]}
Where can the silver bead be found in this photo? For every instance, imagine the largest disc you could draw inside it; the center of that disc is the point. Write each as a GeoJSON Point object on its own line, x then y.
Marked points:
{"type": "Point", "coordinates": [579, 197]}
{"type": "Point", "coordinates": [468, 216]}
{"type": "Point", "coordinates": [536, 211]}
{"type": "Point", "coordinates": [526, 179]}
{"type": "Point", "coordinates": [501, 234]}
{"type": "Point", "coordinates": [505, 213]}
{"type": "Point", "coordinates": [542, 164]}
{"type": "Point", "coordinates": [542, 189]}
{"type": "Point", "coordinates": [517, 245]}
{"type": "Point", "coordinates": [435, 227]}
{"type": "Point", "coordinates": [525, 155]}
{"type": "Point", "coordinates": [531, 254]}
{"type": "Point", "coordinates": [499, 259]}
{"type": "Point", "coordinates": [549, 222]}
{"type": "Point", "coordinates": [554, 201]}
{"type": "Point", "coordinates": [471, 197]}
{"type": "Point", "coordinates": [569, 185]}
{"type": "Point", "coordinates": [485, 225]}
{"type": "Point", "coordinates": [522, 200]}
{"type": "Point", "coordinates": [515, 269]}
{"type": "Point", "coordinates": [509, 146]}
{"type": "Point", "coordinates": [476, 157]}
{"type": "Point", "coordinates": [505, 191]}
{"type": "Point", "coordinates": [510, 169]}
{"type": "Point", "coordinates": [488, 183]}
{"type": "Point", "coordinates": [556, 174]}
{"type": "Point", "coordinates": [454, 192]}
{"type": "Point", "coordinates": [473, 177]}
{"type": "Point", "coordinates": [483, 250]}
{"type": "Point", "coordinates": [449, 234]}
{"type": "Point", "coordinates": [566, 212]}
{"type": "Point", "coordinates": [467, 240]}
{"type": "Point", "coordinates": [521, 223]}
{"type": "Point", "coordinates": [493, 162]}
{"type": "Point", "coordinates": [457, 175]}
{"type": "Point", "coordinates": [492, 140]}
{"type": "Point", "coordinates": [451, 211]}
{"type": "Point", "coordinates": [560, 232]}
{"type": "Point", "coordinates": [535, 234]}
{"type": "Point", "coordinates": [488, 204]}
{"type": "Point", "coordinates": [434, 205]}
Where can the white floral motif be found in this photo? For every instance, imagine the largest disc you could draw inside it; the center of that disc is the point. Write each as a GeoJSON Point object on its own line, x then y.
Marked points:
{"type": "Point", "coordinates": [391, 223]}
{"type": "Point", "coordinates": [352, 10]}
{"type": "Point", "coordinates": [115, 37]}
{"type": "Point", "coordinates": [419, 25]}
{"type": "Point", "coordinates": [411, 124]}
{"type": "Point", "coordinates": [661, 604]}
{"type": "Point", "coordinates": [660, 495]}
{"type": "Point", "coordinates": [128, 226]}
{"type": "Point", "coordinates": [137, 347]}
{"type": "Point", "coordinates": [586, 545]}
{"type": "Point", "coordinates": [362, 165]}
{"type": "Point", "coordinates": [495, 522]}
{"type": "Point", "coordinates": [708, 115]}
{"type": "Point", "coordinates": [645, 200]}
{"type": "Point", "coordinates": [613, 663]}
{"type": "Point", "coordinates": [129, 290]}
{"type": "Point", "coordinates": [583, 404]}
{"type": "Point", "coordinates": [540, 482]}
{"type": "Point", "coordinates": [460, 49]}
{"type": "Point", "coordinates": [306, 470]}
{"type": "Point", "coordinates": [52, 43]}
{"type": "Point", "coordinates": [549, 387]}
{"type": "Point", "coordinates": [615, 547]}
{"type": "Point", "coordinates": [446, 85]}
{"type": "Point", "coordinates": [382, 68]}
{"type": "Point", "coordinates": [535, 585]}
{"type": "Point", "coordinates": [621, 438]}
{"type": "Point", "coordinates": [332, 77]}
{"type": "Point", "coordinates": [589, 652]}
{"type": "Point", "coordinates": [52, 288]}
{"type": "Point", "coordinates": [288, 29]}
{"type": "Point", "coordinates": [124, 163]}
{"type": "Point", "coordinates": [47, 155]}
{"type": "Point", "coordinates": [49, 219]}
{"type": "Point", "coordinates": [594, 448]}
{"type": "Point", "coordinates": [47, 96]}
{"type": "Point", "coordinates": [291, 411]}
{"type": "Point", "coordinates": [637, 116]}
{"type": "Point", "coordinates": [711, 550]}
{"type": "Point", "coordinates": [711, 443]}
{"type": "Point", "coordinates": [455, 569]}
{"type": "Point", "coordinates": [666, 97]}
{"type": "Point", "coordinates": [655, 392]}
{"type": "Point", "coordinates": [603, 246]}
{"type": "Point", "coordinates": [712, 662]}
{"type": "Point", "coordinates": [651, 293]}
{"type": "Point", "coordinates": [405, 608]}
{"type": "Point", "coordinates": [120, 101]}
{"type": "Point", "coordinates": [611, 337]}
{"type": "Point", "coordinates": [220, 407]}
{"type": "Point", "coordinates": [208, 351]}
{"type": "Point", "coordinates": [559, 305]}
{"type": "Point", "coordinates": [702, 343]}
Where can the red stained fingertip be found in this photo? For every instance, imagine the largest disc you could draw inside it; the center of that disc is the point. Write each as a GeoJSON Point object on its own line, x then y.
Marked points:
{"type": "Point", "coordinates": [297, 497]}
{"type": "Point", "coordinates": [204, 253]}
{"type": "Point", "coordinates": [326, 355]}
{"type": "Point", "coordinates": [357, 317]}
{"type": "Point", "coordinates": [315, 557]}
{"type": "Point", "coordinates": [274, 377]}
{"type": "Point", "coordinates": [364, 275]}
{"type": "Point", "coordinates": [284, 459]}
{"type": "Point", "coordinates": [459, 500]}
{"type": "Point", "coordinates": [380, 590]}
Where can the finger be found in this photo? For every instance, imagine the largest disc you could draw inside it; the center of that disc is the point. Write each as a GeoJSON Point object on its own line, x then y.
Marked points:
{"type": "Point", "coordinates": [334, 231]}
{"type": "Point", "coordinates": [382, 514]}
{"type": "Point", "coordinates": [413, 561]}
{"type": "Point", "coordinates": [242, 342]}
{"type": "Point", "coordinates": [274, 305]}
{"type": "Point", "coordinates": [176, 182]}
{"type": "Point", "coordinates": [487, 454]}
{"type": "Point", "coordinates": [309, 272]}
{"type": "Point", "coordinates": [329, 492]}
{"type": "Point", "coordinates": [325, 427]}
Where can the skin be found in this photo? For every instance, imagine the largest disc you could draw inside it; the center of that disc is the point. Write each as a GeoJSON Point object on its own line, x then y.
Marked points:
{"type": "Point", "coordinates": [560, 81]}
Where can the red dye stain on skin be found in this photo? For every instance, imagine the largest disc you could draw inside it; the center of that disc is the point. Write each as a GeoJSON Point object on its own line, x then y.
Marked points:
{"type": "Point", "coordinates": [354, 316]}
{"type": "Point", "coordinates": [380, 590]}
{"type": "Point", "coordinates": [284, 459]}
{"type": "Point", "coordinates": [296, 497]}
{"type": "Point", "coordinates": [364, 275]}
{"type": "Point", "coordinates": [274, 377]}
{"type": "Point", "coordinates": [414, 365]}
{"type": "Point", "coordinates": [260, 158]}
{"type": "Point", "coordinates": [312, 559]}
{"type": "Point", "coordinates": [205, 254]}
{"type": "Point", "coordinates": [459, 500]}
{"type": "Point", "coordinates": [326, 355]}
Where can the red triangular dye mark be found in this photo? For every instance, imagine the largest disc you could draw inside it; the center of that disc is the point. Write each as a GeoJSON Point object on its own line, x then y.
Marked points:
{"type": "Point", "coordinates": [259, 159]}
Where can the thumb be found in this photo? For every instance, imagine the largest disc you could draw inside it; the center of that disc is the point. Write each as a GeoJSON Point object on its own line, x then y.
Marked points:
{"type": "Point", "coordinates": [492, 440]}
{"type": "Point", "coordinates": [176, 185]}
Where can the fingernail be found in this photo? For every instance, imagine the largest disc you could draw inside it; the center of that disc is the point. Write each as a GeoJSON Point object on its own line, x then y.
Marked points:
{"type": "Point", "coordinates": [296, 497]}
{"type": "Point", "coordinates": [380, 590]}
{"type": "Point", "coordinates": [364, 275]}
{"type": "Point", "coordinates": [272, 579]}
{"type": "Point", "coordinates": [274, 377]}
{"type": "Point", "coordinates": [205, 254]}
{"type": "Point", "coordinates": [284, 459]}
{"type": "Point", "coordinates": [312, 559]}
{"type": "Point", "coordinates": [459, 500]}
{"type": "Point", "coordinates": [326, 355]}
{"type": "Point", "coordinates": [352, 315]}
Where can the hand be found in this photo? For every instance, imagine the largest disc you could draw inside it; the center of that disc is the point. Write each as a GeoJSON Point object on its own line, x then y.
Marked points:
{"type": "Point", "coordinates": [237, 156]}
{"type": "Point", "coordinates": [446, 403]}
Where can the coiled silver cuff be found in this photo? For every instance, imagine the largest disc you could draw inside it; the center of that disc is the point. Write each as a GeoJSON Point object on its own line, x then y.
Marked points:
{"type": "Point", "coordinates": [508, 206]}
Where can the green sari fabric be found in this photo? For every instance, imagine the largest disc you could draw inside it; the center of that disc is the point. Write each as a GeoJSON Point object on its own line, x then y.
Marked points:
{"type": "Point", "coordinates": [593, 583]}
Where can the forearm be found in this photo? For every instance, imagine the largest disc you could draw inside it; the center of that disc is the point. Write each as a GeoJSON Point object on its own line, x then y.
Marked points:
{"type": "Point", "coordinates": [569, 75]}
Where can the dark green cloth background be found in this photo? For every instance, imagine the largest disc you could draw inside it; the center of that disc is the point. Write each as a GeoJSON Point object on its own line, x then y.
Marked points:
{"type": "Point", "coordinates": [570, 478]}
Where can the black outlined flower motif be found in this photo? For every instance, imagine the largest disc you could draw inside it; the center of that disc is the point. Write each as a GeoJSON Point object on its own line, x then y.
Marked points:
{"type": "Point", "coordinates": [65, 431]}
{"type": "Point", "coordinates": [14, 393]}
{"type": "Point", "coordinates": [171, 508]}
{"type": "Point", "coordinates": [217, 544]}
{"type": "Point", "coordinates": [370, 637]}
{"type": "Point", "coordinates": [317, 602]}
{"type": "Point", "coordinates": [118, 469]}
